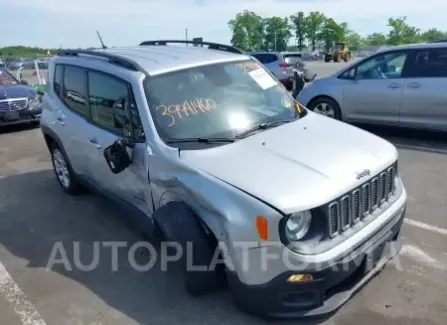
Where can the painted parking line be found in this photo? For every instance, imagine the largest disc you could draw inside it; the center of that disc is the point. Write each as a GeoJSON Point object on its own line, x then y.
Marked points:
{"type": "Point", "coordinates": [421, 148]}
{"type": "Point", "coordinates": [426, 226]}
{"type": "Point", "coordinates": [18, 300]}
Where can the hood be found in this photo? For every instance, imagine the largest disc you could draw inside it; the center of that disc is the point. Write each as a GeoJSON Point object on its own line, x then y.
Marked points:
{"type": "Point", "coordinates": [297, 166]}
{"type": "Point", "coordinates": [15, 91]}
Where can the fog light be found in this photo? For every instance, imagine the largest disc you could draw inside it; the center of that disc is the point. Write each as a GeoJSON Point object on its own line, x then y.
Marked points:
{"type": "Point", "coordinates": [300, 277]}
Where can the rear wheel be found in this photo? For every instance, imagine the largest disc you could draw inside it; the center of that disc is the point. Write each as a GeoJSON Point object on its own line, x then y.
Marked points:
{"type": "Point", "coordinates": [327, 107]}
{"type": "Point", "coordinates": [327, 58]}
{"type": "Point", "coordinates": [65, 175]}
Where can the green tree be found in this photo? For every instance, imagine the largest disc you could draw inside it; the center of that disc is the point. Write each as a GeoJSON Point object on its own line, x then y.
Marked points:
{"type": "Point", "coordinates": [401, 32]}
{"type": "Point", "coordinates": [330, 32]}
{"type": "Point", "coordinates": [277, 33]}
{"type": "Point", "coordinates": [239, 38]}
{"type": "Point", "coordinates": [299, 26]}
{"type": "Point", "coordinates": [433, 34]}
{"type": "Point", "coordinates": [313, 26]}
{"type": "Point", "coordinates": [355, 41]}
{"type": "Point", "coordinates": [376, 39]}
{"type": "Point", "coordinates": [247, 28]}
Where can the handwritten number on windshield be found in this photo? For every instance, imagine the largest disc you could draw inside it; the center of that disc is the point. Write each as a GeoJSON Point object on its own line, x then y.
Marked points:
{"type": "Point", "coordinates": [186, 109]}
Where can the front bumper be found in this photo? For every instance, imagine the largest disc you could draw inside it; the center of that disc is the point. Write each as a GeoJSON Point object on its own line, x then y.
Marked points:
{"type": "Point", "coordinates": [330, 288]}
{"type": "Point", "coordinates": [20, 116]}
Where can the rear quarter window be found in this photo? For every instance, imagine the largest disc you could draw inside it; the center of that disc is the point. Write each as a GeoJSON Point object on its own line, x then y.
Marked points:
{"type": "Point", "coordinates": [266, 58]}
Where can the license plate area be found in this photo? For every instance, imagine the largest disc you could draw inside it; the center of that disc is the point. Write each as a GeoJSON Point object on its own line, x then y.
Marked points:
{"type": "Point", "coordinates": [11, 116]}
{"type": "Point", "coordinates": [376, 252]}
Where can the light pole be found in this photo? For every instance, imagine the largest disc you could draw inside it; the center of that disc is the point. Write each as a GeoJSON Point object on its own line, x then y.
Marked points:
{"type": "Point", "coordinates": [275, 40]}
{"type": "Point", "coordinates": [186, 36]}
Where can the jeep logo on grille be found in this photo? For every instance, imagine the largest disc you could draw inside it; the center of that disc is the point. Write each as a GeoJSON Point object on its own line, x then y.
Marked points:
{"type": "Point", "coordinates": [364, 173]}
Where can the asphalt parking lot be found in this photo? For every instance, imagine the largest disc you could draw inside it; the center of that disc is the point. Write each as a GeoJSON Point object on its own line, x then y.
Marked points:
{"type": "Point", "coordinates": [35, 215]}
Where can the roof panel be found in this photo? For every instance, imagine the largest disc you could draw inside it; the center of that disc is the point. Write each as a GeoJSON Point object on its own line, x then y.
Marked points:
{"type": "Point", "coordinates": [162, 58]}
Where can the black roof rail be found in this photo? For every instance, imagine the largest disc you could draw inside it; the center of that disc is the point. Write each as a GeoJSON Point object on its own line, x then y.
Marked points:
{"type": "Point", "coordinates": [111, 58]}
{"type": "Point", "coordinates": [211, 46]}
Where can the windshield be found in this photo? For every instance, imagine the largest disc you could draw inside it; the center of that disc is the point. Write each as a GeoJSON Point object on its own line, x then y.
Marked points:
{"type": "Point", "coordinates": [339, 46]}
{"type": "Point", "coordinates": [7, 79]}
{"type": "Point", "coordinates": [218, 100]}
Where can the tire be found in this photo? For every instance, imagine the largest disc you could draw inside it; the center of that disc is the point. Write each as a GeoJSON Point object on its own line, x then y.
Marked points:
{"type": "Point", "coordinates": [327, 58]}
{"type": "Point", "coordinates": [68, 181]}
{"type": "Point", "coordinates": [179, 224]}
{"type": "Point", "coordinates": [347, 57]}
{"type": "Point", "coordinates": [321, 102]}
{"type": "Point", "coordinates": [337, 58]}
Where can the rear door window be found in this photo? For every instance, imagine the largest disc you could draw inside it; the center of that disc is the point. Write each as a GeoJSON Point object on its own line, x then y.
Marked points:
{"type": "Point", "coordinates": [75, 90]}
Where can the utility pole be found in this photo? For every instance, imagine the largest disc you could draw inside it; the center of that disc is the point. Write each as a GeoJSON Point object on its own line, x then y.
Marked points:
{"type": "Point", "coordinates": [186, 35]}
{"type": "Point", "coordinates": [275, 40]}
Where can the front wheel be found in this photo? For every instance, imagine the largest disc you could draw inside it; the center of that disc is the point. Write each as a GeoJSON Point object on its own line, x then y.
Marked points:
{"type": "Point", "coordinates": [178, 224]}
{"type": "Point", "coordinates": [327, 107]}
{"type": "Point", "coordinates": [347, 57]}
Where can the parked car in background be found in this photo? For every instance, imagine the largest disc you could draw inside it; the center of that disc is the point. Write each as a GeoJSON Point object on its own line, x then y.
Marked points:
{"type": "Point", "coordinates": [42, 63]}
{"type": "Point", "coordinates": [18, 102]}
{"type": "Point", "coordinates": [15, 64]}
{"type": "Point", "coordinates": [283, 64]}
{"type": "Point", "coordinates": [276, 63]}
{"type": "Point", "coordinates": [2, 63]}
{"type": "Point", "coordinates": [29, 63]}
{"type": "Point", "coordinates": [401, 86]}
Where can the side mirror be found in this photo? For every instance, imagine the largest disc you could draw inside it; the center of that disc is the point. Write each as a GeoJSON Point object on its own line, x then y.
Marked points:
{"type": "Point", "coordinates": [24, 82]}
{"type": "Point", "coordinates": [117, 157]}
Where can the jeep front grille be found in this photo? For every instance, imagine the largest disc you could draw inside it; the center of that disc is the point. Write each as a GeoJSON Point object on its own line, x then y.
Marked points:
{"type": "Point", "coordinates": [361, 202]}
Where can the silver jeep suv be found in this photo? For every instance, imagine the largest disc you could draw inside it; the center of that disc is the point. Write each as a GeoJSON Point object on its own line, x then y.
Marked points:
{"type": "Point", "coordinates": [219, 158]}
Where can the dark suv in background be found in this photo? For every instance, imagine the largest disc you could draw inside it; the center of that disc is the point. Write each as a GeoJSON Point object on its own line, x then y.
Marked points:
{"type": "Point", "coordinates": [18, 102]}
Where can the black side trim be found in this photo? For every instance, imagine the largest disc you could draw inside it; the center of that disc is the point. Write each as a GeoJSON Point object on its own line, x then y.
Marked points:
{"type": "Point", "coordinates": [111, 58]}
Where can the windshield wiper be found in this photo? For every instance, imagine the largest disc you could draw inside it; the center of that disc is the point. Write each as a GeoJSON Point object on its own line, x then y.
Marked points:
{"type": "Point", "coordinates": [201, 139]}
{"type": "Point", "coordinates": [261, 126]}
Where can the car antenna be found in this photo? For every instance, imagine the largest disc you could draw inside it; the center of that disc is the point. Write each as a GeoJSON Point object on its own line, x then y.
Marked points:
{"type": "Point", "coordinates": [100, 39]}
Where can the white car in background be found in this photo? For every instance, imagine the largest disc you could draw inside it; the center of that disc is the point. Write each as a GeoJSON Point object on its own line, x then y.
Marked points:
{"type": "Point", "coordinates": [398, 86]}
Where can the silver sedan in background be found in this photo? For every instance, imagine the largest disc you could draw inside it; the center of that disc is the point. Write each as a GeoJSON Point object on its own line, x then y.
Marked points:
{"type": "Point", "coordinates": [399, 86]}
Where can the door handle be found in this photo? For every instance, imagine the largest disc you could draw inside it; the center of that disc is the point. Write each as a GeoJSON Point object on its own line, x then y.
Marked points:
{"type": "Point", "coordinates": [414, 85]}
{"type": "Point", "coordinates": [393, 85]}
{"type": "Point", "coordinates": [95, 143]}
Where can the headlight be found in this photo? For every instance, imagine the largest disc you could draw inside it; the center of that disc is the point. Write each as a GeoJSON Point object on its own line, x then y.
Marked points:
{"type": "Point", "coordinates": [34, 102]}
{"type": "Point", "coordinates": [298, 225]}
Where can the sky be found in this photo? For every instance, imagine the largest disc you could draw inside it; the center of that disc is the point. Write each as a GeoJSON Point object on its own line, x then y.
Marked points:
{"type": "Point", "coordinates": [73, 23]}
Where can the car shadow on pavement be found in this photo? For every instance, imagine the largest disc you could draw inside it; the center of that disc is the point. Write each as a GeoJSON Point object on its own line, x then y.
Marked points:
{"type": "Point", "coordinates": [409, 139]}
{"type": "Point", "coordinates": [17, 128]}
{"type": "Point", "coordinates": [35, 216]}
